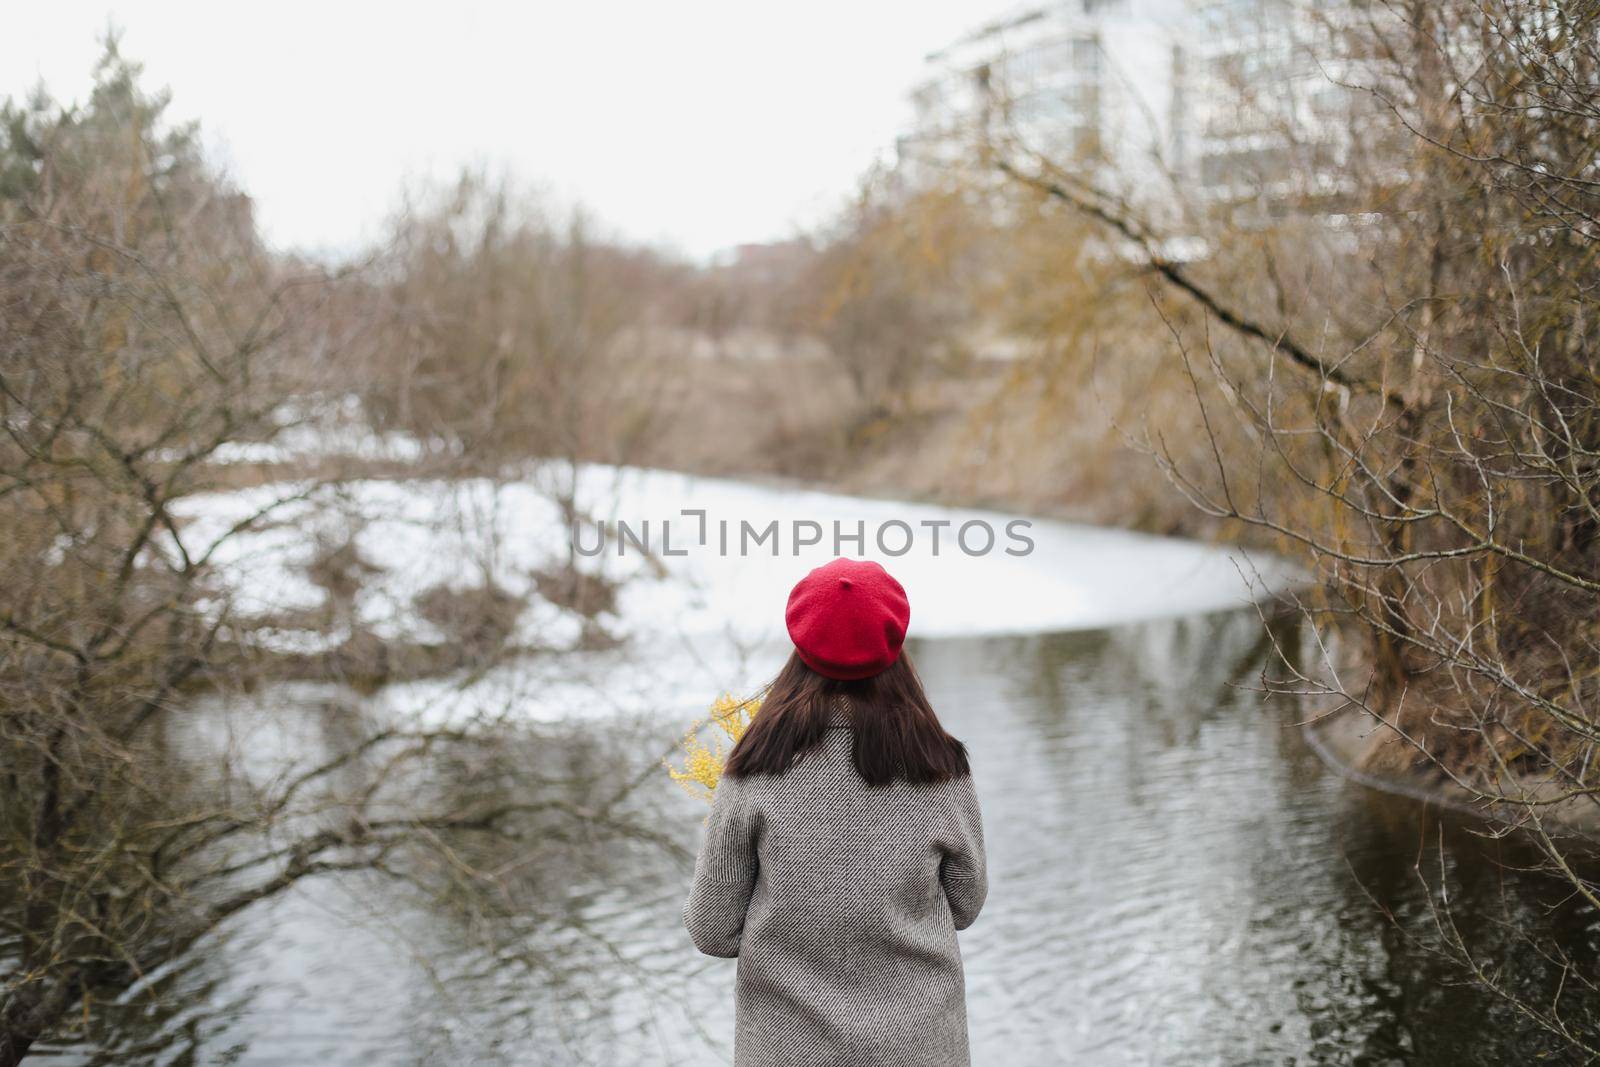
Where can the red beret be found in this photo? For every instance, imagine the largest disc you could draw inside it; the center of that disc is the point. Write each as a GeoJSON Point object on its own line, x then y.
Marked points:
{"type": "Point", "coordinates": [848, 618]}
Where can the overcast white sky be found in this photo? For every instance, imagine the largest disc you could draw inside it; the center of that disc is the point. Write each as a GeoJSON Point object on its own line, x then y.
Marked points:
{"type": "Point", "coordinates": [693, 123]}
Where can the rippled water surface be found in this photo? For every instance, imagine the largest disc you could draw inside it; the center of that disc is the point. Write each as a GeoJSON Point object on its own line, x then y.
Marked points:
{"type": "Point", "coordinates": [1176, 879]}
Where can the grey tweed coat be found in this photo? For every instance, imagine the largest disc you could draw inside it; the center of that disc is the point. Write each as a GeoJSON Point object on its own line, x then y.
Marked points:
{"type": "Point", "coordinates": [841, 902]}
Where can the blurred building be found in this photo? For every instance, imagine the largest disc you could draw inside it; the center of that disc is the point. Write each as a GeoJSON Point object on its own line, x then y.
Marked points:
{"type": "Point", "coordinates": [1156, 100]}
{"type": "Point", "coordinates": [1280, 105]}
{"type": "Point", "coordinates": [1100, 85]}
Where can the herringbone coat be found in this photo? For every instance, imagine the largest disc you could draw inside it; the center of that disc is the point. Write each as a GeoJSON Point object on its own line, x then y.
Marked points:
{"type": "Point", "coordinates": [841, 902]}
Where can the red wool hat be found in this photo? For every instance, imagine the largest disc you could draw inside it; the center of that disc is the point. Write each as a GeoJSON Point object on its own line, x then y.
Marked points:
{"type": "Point", "coordinates": [848, 618]}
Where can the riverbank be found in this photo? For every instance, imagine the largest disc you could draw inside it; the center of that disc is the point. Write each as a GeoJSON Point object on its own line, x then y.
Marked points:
{"type": "Point", "coordinates": [979, 434]}
{"type": "Point", "coordinates": [1345, 741]}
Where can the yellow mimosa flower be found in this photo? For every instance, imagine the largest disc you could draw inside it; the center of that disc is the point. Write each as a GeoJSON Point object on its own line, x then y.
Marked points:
{"type": "Point", "coordinates": [702, 764]}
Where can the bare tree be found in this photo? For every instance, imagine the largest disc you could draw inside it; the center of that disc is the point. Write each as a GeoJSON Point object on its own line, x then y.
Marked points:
{"type": "Point", "coordinates": [143, 330]}
{"type": "Point", "coordinates": [1401, 317]}
{"type": "Point", "coordinates": [890, 294]}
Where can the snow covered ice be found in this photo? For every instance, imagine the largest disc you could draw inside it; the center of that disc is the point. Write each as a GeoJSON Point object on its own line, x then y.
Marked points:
{"type": "Point", "coordinates": [697, 623]}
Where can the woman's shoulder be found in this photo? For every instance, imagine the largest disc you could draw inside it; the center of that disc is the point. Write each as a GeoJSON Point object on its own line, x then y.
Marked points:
{"type": "Point", "coordinates": [961, 795]}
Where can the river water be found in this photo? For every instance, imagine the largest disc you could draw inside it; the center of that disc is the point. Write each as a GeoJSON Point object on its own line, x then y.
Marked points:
{"type": "Point", "coordinates": [1175, 879]}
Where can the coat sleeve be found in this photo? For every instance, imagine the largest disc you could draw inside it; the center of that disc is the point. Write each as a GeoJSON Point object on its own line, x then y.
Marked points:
{"type": "Point", "coordinates": [725, 872]}
{"type": "Point", "coordinates": [963, 870]}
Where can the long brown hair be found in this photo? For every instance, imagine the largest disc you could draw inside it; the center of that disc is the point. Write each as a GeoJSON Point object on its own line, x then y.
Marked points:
{"type": "Point", "coordinates": [897, 735]}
